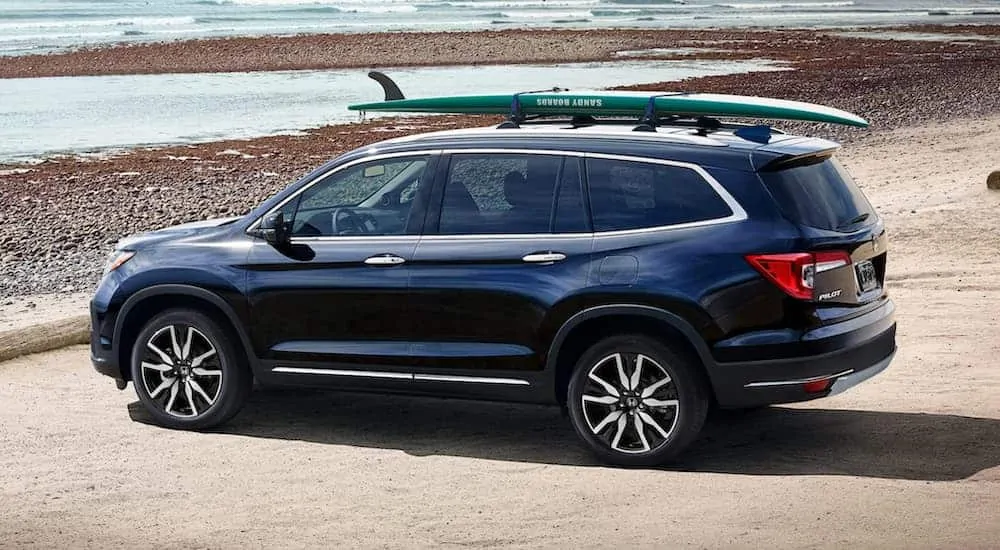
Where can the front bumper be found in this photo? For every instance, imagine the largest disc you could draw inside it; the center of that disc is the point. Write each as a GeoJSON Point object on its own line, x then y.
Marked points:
{"type": "Point", "coordinates": [852, 351]}
{"type": "Point", "coordinates": [102, 354]}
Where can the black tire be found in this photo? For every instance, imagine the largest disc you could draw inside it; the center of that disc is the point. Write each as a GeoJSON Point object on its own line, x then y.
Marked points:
{"type": "Point", "coordinates": [676, 408]}
{"type": "Point", "coordinates": [217, 385]}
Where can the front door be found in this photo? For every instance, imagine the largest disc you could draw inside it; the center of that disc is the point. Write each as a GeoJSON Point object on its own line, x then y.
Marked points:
{"type": "Point", "coordinates": [335, 301]}
{"type": "Point", "coordinates": [507, 241]}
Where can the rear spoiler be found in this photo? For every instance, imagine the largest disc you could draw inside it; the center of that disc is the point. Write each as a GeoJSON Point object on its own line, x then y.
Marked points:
{"type": "Point", "coordinates": [785, 162]}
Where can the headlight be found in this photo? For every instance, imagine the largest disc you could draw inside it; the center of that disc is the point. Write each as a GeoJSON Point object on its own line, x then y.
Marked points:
{"type": "Point", "coordinates": [117, 259]}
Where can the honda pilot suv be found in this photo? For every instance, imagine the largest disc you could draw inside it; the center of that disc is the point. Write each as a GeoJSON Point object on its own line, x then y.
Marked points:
{"type": "Point", "coordinates": [635, 278]}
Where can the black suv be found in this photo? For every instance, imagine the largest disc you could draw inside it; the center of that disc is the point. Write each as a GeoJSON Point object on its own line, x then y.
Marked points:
{"type": "Point", "coordinates": [636, 278]}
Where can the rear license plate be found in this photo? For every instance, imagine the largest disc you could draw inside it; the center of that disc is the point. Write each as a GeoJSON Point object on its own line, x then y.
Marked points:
{"type": "Point", "coordinates": [866, 276]}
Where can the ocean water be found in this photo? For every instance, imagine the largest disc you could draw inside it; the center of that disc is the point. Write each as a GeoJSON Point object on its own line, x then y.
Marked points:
{"type": "Point", "coordinates": [47, 25]}
{"type": "Point", "coordinates": [43, 116]}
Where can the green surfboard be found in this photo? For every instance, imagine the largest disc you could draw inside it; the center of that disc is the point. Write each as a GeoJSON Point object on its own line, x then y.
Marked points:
{"type": "Point", "coordinates": [620, 104]}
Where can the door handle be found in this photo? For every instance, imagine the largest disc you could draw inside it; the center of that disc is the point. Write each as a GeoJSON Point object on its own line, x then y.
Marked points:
{"type": "Point", "coordinates": [385, 260]}
{"type": "Point", "coordinates": [544, 257]}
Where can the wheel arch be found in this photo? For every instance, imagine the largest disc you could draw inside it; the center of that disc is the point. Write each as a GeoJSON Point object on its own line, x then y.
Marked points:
{"type": "Point", "coordinates": [143, 305]}
{"type": "Point", "coordinates": [583, 329]}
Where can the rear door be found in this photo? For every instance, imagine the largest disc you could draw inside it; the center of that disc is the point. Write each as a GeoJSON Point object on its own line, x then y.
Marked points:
{"type": "Point", "coordinates": [507, 239]}
{"type": "Point", "coordinates": [837, 221]}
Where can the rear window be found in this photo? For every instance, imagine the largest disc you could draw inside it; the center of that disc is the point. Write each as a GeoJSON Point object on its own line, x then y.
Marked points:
{"type": "Point", "coordinates": [820, 195]}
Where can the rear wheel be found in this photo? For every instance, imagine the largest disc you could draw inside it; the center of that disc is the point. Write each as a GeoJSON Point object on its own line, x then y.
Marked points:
{"type": "Point", "coordinates": [636, 402]}
{"type": "Point", "coordinates": [187, 372]}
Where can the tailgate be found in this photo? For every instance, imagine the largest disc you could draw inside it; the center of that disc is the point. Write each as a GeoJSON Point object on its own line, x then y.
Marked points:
{"type": "Point", "coordinates": [836, 222]}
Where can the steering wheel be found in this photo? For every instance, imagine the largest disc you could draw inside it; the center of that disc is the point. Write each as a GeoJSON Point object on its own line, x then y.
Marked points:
{"type": "Point", "coordinates": [347, 221]}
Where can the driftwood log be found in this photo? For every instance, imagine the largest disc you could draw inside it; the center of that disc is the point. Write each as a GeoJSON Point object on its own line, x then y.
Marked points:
{"type": "Point", "coordinates": [44, 337]}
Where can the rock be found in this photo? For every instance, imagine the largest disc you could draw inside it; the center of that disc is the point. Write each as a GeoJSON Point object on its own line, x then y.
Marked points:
{"type": "Point", "coordinates": [993, 181]}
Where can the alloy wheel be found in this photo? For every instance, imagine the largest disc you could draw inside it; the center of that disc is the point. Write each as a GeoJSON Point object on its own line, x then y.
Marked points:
{"type": "Point", "coordinates": [180, 371]}
{"type": "Point", "coordinates": [630, 402]}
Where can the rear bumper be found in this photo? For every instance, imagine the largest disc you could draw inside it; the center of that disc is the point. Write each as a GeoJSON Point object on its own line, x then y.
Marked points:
{"type": "Point", "coordinates": [852, 351]}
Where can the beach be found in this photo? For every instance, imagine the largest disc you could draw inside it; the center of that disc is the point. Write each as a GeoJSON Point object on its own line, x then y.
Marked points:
{"type": "Point", "coordinates": [910, 459]}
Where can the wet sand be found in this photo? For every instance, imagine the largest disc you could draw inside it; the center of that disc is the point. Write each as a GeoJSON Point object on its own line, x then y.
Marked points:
{"type": "Point", "coordinates": [366, 50]}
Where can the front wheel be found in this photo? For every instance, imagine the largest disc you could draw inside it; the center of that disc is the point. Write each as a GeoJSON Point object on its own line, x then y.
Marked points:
{"type": "Point", "coordinates": [636, 402]}
{"type": "Point", "coordinates": [187, 372]}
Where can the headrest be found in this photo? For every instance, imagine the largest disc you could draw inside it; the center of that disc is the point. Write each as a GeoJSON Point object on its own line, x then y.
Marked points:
{"type": "Point", "coordinates": [515, 190]}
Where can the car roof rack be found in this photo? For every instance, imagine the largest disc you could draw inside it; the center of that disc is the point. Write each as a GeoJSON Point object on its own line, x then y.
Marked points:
{"type": "Point", "coordinates": [703, 125]}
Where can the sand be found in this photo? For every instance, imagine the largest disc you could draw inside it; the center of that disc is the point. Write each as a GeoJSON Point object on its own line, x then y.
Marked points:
{"type": "Point", "coordinates": [33, 309]}
{"type": "Point", "coordinates": [909, 459]}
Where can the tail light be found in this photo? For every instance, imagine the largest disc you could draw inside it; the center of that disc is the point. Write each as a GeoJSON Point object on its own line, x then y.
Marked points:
{"type": "Point", "coordinates": [817, 386]}
{"type": "Point", "coordinates": [795, 272]}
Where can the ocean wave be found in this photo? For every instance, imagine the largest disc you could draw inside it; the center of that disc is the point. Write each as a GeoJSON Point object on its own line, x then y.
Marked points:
{"type": "Point", "coordinates": [964, 11]}
{"type": "Point", "coordinates": [359, 6]}
{"type": "Point", "coordinates": [634, 12]}
{"type": "Point", "coordinates": [115, 22]}
{"type": "Point", "coordinates": [318, 9]}
{"type": "Point", "coordinates": [644, 2]}
{"type": "Point", "coordinates": [552, 16]}
{"type": "Point", "coordinates": [518, 5]}
{"type": "Point", "coordinates": [70, 23]}
{"type": "Point", "coordinates": [783, 5]}
{"type": "Point", "coordinates": [221, 19]}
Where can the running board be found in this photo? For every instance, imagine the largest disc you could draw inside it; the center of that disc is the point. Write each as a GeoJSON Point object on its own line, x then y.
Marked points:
{"type": "Point", "coordinates": [402, 376]}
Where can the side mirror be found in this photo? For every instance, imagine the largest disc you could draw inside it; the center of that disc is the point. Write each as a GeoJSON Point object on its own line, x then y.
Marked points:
{"type": "Point", "coordinates": [273, 230]}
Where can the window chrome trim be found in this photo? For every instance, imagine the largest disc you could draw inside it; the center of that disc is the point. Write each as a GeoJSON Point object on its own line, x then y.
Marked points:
{"type": "Point", "coordinates": [738, 213]}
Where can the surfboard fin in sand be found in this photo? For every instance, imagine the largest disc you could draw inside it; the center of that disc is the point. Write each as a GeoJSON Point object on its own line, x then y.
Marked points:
{"type": "Point", "coordinates": [392, 92]}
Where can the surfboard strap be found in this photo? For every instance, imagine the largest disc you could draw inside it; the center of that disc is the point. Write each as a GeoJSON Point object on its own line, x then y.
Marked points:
{"type": "Point", "coordinates": [517, 116]}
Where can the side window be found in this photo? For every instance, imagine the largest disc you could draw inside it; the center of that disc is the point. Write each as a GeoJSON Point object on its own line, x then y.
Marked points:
{"type": "Point", "coordinates": [634, 195]}
{"type": "Point", "coordinates": [499, 193]}
{"type": "Point", "coordinates": [372, 198]}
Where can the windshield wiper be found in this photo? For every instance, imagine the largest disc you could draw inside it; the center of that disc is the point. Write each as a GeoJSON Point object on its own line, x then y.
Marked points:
{"type": "Point", "coordinates": [855, 220]}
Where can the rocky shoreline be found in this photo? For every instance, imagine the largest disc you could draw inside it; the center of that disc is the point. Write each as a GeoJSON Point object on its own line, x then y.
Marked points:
{"type": "Point", "coordinates": [407, 49]}
{"type": "Point", "coordinates": [59, 218]}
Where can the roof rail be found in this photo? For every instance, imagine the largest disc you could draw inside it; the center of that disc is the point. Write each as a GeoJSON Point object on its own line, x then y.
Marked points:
{"type": "Point", "coordinates": [704, 125]}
